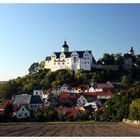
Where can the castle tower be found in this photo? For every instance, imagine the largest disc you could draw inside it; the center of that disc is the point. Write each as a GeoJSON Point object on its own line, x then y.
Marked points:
{"type": "Point", "coordinates": [65, 47]}
{"type": "Point", "coordinates": [132, 51]}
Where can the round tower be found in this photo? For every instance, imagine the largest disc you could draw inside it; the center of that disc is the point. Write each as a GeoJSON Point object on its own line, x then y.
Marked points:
{"type": "Point", "coordinates": [65, 47]}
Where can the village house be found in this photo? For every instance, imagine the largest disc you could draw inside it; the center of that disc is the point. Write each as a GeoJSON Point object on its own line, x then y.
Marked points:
{"type": "Point", "coordinates": [64, 88]}
{"type": "Point", "coordinates": [3, 106]}
{"type": "Point", "coordinates": [106, 94]}
{"type": "Point", "coordinates": [44, 94]}
{"type": "Point", "coordinates": [32, 102]}
{"type": "Point", "coordinates": [66, 113]}
{"type": "Point", "coordinates": [22, 112]}
{"type": "Point", "coordinates": [95, 104]}
{"type": "Point", "coordinates": [81, 100]}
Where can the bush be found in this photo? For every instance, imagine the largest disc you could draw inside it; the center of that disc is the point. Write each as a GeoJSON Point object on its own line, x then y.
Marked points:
{"type": "Point", "coordinates": [39, 117]}
{"type": "Point", "coordinates": [51, 115]}
{"type": "Point", "coordinates": [134, 110]}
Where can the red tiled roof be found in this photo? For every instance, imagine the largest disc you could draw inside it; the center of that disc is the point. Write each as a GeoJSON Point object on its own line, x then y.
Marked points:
{"type": "Point", "coordinates": [71, 110]}
{"type": "Point", "coordinates": [16, 107]}
{"type": "Point", "coordinates": [106, 92]}
{"type": "Point", "coordinates": [64, 95]}
{"type": "Point", "coordinates": [6, 102]}
{"type": "Point", "coordinates": [90, 93]}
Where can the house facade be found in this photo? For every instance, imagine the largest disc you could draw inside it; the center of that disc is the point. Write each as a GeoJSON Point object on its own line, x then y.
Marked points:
{"type": "Point", "coordinates": [81, 100]}
{"type": "Point", "coordinates": [22, 113]}
{"type": "Point", "coordinates": [65, 59]}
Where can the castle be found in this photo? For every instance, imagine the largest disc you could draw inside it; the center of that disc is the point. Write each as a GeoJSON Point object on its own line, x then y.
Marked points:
{"type": "Point", "coordinates": [66, 59]}
{"type": "Point", "coordinates": [76, 60]}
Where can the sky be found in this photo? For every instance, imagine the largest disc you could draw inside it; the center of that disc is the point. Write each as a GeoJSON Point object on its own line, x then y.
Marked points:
{"type": "Point", "coordinates": [30, 32]}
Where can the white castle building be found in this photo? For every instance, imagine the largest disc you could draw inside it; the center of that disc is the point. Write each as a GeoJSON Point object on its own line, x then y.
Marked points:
{"type": "Point", "coordinates": [65, 59]}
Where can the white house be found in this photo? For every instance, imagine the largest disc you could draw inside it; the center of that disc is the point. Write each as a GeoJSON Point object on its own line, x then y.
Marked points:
{"type": "Point", "coordinates": [65, 59]}
{"type": "Point", "coordinates": [44, 95]}
{"type": "Point", "coordinates": [22, 113]}
{"type": "Point", "coordinates": [81, 100]}
{"type": "Point", "coordinates": [94, 104]}
{"type": "Point", "coordinates": [38, 92]}
{"type": "Point", "coordinates": [92, 89]}
{"type": "Point", "coordinates": [35, 103]}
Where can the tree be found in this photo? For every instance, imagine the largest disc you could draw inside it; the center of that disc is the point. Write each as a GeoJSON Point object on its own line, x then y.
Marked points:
{"type": "Point", "coordinates": [50, 114]}
{"type": "Point", "coordinates": [108, 59]}
{"type": "Point", "coordinates": [34, 68]}
{"type": "Point", "coordinates": [99, 61]}
{"type": "Point", "coordinates": [117, 107]}
{"type": "Point", "coordinates": [84, 115]}
{"type": "Point", "coordinates": [39, 116]}
{"type": "Point", "coordinates": [8, 111]}
{"type": "Point", "coordinates": [126, 81]}
{"type": "Point", "coordinates": [134, 109]}
{"type": "Point", "coordinates": [119, 60]}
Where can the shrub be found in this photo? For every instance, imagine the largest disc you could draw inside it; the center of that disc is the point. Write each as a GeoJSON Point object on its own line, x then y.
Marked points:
{"type": "Point", "coordinates": [134, 110]}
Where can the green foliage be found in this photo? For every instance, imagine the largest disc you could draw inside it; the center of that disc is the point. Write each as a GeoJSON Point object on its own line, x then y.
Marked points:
{"type": "Point", "coordinates": [8, 111]}
{"type": "Point", "coordinates": [51, 115]}
{"type": "Point", "coordinates": [126, 81]}
{"type": "Point", "coordinates": [134, 110]}
{"type": "Point", "coordinates": [84, 115]}
{"type": "Point", "coordinates": [44, 114]}
{"type": "Point", "coordinates": [39, 116]}
{"type": "Point", "coordinates": [118, 59]}
{"type": "Point", "coordinates": [34, 68]}
{"type": "Point", "coordinates": [108, 59]}
{"type": "Point", "coordinates": [117, 107]}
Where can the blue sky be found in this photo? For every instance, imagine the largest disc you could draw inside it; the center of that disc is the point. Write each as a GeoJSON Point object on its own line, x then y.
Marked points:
{"type": "Point", "coordinates": [30, 32]}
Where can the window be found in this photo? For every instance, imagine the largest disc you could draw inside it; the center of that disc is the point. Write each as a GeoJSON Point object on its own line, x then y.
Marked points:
{"type": "Point", "coordinates": [84, 101]}
{"type": "Point", "coordinates": [22, 109]}
{"type": "Point", "coordinates": [20, 115]}
{"type": "Point", "coordinates": [25, 114]}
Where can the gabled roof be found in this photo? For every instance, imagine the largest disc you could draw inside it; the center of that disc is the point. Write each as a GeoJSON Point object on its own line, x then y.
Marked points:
{"type": "Point", "coordinates": [57, 54]}
{"type": "Point", "coordinates": [36, 99]}
{"type": "Point", "coordinates": [22, 99]}
{"type": "Point", "coordinates": [80, 53]}
{"type": "Point", "coordinates": [105, 92]}
{"type": "Point", "coordinates": [105, 85]}
{"type": "Point", "coordinates": [68, 54]}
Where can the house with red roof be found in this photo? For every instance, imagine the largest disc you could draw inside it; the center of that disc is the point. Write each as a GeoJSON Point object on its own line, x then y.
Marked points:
{"type": "Point", "coordinates": [106, 94]}
{"type": "Point", "coordinates": [67, 112]}
{"type": "Point", "coordinates": [63, 97]}
{"type": "Point", "coordinates": [3, 105]}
